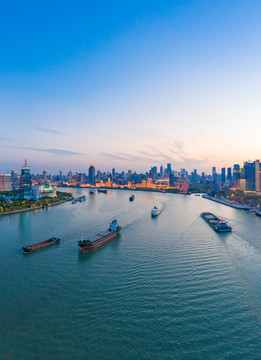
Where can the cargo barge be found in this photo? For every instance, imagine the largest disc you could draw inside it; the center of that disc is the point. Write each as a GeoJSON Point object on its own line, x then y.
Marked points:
{"type": "Point", "coordinates": [99, 239]}
{"type": "Point", "coordinates": [216, 223]}
{"type": "Point", "coordinates": [41, 245]}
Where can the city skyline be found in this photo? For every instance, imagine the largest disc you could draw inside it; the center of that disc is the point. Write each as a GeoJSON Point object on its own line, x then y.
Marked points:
{"type": "Point", "coordinates": [129, 85]}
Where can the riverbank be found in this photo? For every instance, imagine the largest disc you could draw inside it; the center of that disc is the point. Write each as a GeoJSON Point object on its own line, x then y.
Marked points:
{"type": "Point", "coordinates": [32, 208]}
{"type": "Point", "coordinates": [228, 203]}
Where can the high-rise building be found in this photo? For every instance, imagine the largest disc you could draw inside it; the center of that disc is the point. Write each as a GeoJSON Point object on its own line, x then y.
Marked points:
{"type": "Point", "coordinates": [249, 174]}
{"type": "Point", "coordinates": [25, 181]}
{"type": "Point", "coordinates": [236, 176]}
{"type": "Point", "coordinates": [61, 176]}
{"type": "Point", "coordinates": [214, 174]}
{"type": "Point", "coordinates": [92, 174]}
{"type": "Point", "coordinates": [203, 177]}
{"type": "Point", "coordinates": [14, 177]}
{"type": "Point", "coordinates": [161, 171]}
{"type": "Point", "coordinates": [44, 176]}
{"type": "Point", "coordinates": [5, 182]}
{"type": "Point", "coordinates": [257, 176]}
{"type": "Point", "coordinates": [223, 175]}
{"type": "Point", "coordinates": [229, 175]}
{"type": "Point", "coordinates": [168, 168]}
{"type": "Point", "coordinates": [113, 173]}
{"type": "Point", "coordinates": [171, 179]}
{"type": "Point", "coordinates": [154, 170]}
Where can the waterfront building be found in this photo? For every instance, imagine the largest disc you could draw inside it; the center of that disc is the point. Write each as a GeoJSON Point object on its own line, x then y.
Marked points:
{"type": "Point", "coordinates": [25, 182]}
{"type": "Point", "coordinates": [92, 174]}
{"type": "Point", "coordinates": [5, 182]}
{"type": "Point", "coordinates": [171, 179]}
{"type": "Point", "coordinates": [47, 190]}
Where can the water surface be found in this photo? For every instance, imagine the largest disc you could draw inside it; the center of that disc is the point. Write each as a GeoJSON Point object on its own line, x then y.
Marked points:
{"type": "Point", "coordinates": [166, 288]}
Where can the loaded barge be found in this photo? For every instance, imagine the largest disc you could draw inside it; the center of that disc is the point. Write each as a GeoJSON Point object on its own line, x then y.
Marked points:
{"type": "Point", "coordinates": [41, 245]}
{"type": "Point", "coordinates": [216, 223]}
{"type": "Point", "coordinates": [99, 239]}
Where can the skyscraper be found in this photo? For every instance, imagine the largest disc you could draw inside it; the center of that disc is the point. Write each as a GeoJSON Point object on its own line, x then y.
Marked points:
{"type": "Point", "coordinates": [229, 175]}
{"type": "Point", "coordinates": [44, 175]}
{"type": "Point", "coordinates": [236, 176]}
{"type": "Point", "coordinates": [223, 175]}
{"type": "Point", "coordinates": [214, 174]}
{"type": "Point", "coordinates": [25, 181]}
{"type": "Point", "coordinates": [14, 177]}
{"type": "Point", "coordinates": [171, 179]}
{"type": "Point", "coordinates": [92, 174]}
{"type": "Point", "coordinates": [249, 174]}
{"type": "Point", "coordinates": [168, 168]}
{"type": "Point", "coordinates": [257, 176]}
{"type": "Point", "coordinates": [161, 171]}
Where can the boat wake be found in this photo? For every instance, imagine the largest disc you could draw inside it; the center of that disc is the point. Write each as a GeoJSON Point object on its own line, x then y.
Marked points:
{"type": "Point", "coordinates": [247, 261]}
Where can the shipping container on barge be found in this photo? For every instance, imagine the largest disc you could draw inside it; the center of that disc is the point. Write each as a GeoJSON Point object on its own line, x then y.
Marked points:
{"type": "Point", "coordinates": [99, 239]}
{"type": "Point", "coordinates": [216, 223]}
{"type": "Point", "coordinates": [41, 245]}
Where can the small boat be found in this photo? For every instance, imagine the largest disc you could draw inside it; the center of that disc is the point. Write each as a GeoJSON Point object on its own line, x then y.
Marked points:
{"type": "Point", "coordinates": [156, 211]}
{"type": "Point", "coordinates": [99, 239]}
{"type": "Point", "coordinates": [91, 192]}
{"type": "Point", "coordinates": [104, 191]}
{"type": "Point", "coordinates": [132, 197]}
{"type": "Point", "coordinates": [215, 222]}
{"type": "Point", "coordinates": [41, 245]}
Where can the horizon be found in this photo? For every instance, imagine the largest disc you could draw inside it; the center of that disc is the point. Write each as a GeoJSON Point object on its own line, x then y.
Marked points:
{"type": "Point", "coordinates": [133, 85]}
{"type": "Point", "coordinates": [109, 170]}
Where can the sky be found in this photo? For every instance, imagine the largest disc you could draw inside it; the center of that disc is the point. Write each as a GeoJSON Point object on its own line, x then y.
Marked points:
{"type": "Point", "coordinates": [129, 84]}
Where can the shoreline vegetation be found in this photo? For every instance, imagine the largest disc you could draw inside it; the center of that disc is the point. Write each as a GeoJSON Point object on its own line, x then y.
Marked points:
{"type": "Point", "coordinates": [16, 206]}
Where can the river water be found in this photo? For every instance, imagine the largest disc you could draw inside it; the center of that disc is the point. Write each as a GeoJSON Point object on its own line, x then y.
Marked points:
{"type": "Point", "coordinates": [168, 287]}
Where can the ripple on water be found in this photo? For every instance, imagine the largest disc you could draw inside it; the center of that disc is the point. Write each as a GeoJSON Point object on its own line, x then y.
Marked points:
{"type": "Point", "coordinates": [166, 288]}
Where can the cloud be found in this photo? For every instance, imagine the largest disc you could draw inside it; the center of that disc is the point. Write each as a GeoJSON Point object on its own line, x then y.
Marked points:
{"type": "Point", "coordinates": [50, 131]}
{"type": "Point", "coordinates": [156, 156]}
{"type": "Point", "coordinates": [51, 151]}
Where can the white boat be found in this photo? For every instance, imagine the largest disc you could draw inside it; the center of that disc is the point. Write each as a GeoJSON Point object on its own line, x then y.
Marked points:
{"type": "Point", "coordinates": [156, 211]}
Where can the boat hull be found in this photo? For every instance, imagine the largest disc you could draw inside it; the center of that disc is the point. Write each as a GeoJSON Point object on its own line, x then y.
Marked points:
{"type": "Point", "coordinates": [212, 220]}
{"type": "Point", "coordinates": [41, 245]}
{"type": "Point", "coordinates": [84, 249]}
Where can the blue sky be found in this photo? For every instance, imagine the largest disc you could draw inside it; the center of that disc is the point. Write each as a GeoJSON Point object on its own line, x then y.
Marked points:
{"type": "Point", "coordinates": [129, 84]}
